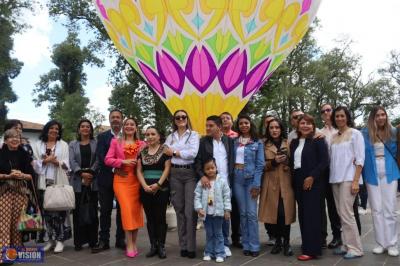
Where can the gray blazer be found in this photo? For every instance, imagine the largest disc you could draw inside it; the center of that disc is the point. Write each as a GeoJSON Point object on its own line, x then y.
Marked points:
{"type": "Point", "coordinates": [75, 164]}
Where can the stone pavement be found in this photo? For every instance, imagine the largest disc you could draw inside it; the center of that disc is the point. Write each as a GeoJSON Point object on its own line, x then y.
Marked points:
{"type": "Point", "coordinates": [115, 257]}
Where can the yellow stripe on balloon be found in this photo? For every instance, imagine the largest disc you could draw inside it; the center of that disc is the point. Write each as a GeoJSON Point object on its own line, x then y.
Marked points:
{"type": "Point", "coordinates": [131, 16]}
{"type": "Point", "coordinates": [120, 26]}
{"type": "Point", "coordinates": [287, 20]}
{"type": "Point", "coordinates": [200, 107]}
{"type": "Point", "coordinates": [270, 11]}
{"type": "Point", "coordinates": [218, 8]}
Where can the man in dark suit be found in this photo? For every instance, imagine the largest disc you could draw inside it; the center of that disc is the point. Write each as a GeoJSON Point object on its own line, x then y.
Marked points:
{"type": "Point", "coordinates": [105, 183]}
{"type": "Point", "coordinates": [220, 147]}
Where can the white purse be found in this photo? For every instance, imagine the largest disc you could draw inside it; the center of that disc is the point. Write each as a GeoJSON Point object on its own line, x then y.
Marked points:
{"type": "Point", "coordinates": [59, 197]}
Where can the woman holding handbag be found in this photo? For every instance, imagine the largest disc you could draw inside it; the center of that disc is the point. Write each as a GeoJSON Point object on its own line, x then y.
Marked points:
{"type": "Point", "coordinates": [15, 172]}
{"type": "Point", "coordinates": [83, 162]}
{"type": "Point", "coordinates": [381, 175]}
{"type": "Point", "coordinates": [51, 163]}
{"type": "Point", "coordinates": [122, 156]}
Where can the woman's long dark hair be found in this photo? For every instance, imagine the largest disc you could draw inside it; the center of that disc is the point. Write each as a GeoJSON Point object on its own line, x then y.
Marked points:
{"type": "Point", "coordinates": [350, 122]}
{"type": "Point", "coordinates": [44, 135]}
{"type": "Point", "coordinates": [83, 120]}
{"type": "Point", "coordinates": [268, 136]}
{"type": "Point", "coordinates": [253, 128]}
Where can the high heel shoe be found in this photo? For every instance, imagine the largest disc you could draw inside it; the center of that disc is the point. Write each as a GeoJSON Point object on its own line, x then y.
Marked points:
{"type": "Point", "coordinates": [132, 254]}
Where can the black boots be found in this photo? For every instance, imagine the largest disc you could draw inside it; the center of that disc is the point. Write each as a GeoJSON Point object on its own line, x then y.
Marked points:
{"type": "Point", "coordinates": [277, 248]}
{"type": "Point", "coordinates": [287, 249]}
{"type": "Point", "coordinates": [153, 250]}
{"type": "Point", "coordinates": [162, 254]}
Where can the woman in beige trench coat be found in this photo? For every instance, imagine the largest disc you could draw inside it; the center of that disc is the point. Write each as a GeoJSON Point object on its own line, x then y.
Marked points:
{"type": "Point", "coordinates": [277, 202]}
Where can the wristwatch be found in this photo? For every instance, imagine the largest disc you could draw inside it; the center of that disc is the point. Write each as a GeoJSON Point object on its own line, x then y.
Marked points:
{"type": "Point", "coordinates": [174, 153]}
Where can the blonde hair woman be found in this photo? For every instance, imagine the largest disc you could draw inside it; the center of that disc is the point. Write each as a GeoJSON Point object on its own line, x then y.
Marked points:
{"type": "Point", "coordinates": [381, 175]}
{"type": "Point", "coordinates": [122, 156]}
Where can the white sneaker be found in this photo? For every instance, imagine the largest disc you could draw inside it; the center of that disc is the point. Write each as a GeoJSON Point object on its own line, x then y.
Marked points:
{"type": "Point", "coordinates": [228, 252]}
{"type": "Point", "coordinates": [378, 250]}
{"type": "Point", "coordinates": [219, 259]}
{"type": "Point", "coordinates": [49, 245]}
{"type": "Point", "coordinates": [206, 258]}
{"type": "Point", "coordinates": [393, 251]}
{"type": "Point", "coordinates": [59, 247]}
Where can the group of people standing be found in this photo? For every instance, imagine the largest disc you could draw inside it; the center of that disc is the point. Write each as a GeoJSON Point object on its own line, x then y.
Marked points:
{"type": "Point", "coordinates": [230, 180]}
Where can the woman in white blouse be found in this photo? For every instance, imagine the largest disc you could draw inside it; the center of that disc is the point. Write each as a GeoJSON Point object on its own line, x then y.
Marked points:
{"type": "Point", "coordinates": [347, 160]}
{"type": "Point", "coordinates": [183, 145]}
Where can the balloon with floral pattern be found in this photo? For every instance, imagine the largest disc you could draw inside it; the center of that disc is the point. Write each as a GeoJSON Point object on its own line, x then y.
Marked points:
{"type": "Point", "coordinates": [206, 56]}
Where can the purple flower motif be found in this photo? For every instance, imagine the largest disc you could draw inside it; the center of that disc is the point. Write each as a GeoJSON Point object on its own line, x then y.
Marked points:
{"type": "Point", "coordinates": [306, 6]}
{"type": "Point", "coordinates": [170, 72]}
{"type": "Point", "coordinates": [254, 79]}
{"type": "Point", "coordinates": [102, 9]}
{"type": "Point", "coordinates": [233, 71]}
{"type": "Point", "coordinates": [152, 78]}
{"type": "Point", "coordinates": [200, 69]}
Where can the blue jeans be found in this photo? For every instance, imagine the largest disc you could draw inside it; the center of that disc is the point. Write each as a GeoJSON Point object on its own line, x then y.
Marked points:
{"type": "Point", "coordinates": [225, 231]}
{"type": "Point", "coordinates": [214, 237]}
{"type": "Point", "coordinates": [248, 211]}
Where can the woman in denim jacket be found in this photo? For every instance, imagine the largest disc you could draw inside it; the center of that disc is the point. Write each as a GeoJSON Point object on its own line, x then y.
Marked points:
{"type": "Point", "coordinates": [249, 165]}
{"type": "Point", "coordinates": [381, 175]}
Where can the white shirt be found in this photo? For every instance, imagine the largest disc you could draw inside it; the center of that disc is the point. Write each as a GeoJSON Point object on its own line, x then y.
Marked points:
{"type": "Point", "coordinates": [297, 154]}
{"type": "Point", "coordinates": [187, 145]}
{"type": "Point", "coordinates": [240, 155]}
{"type": "Point", "coordinates": [347, 151]}
{"type": "Point", "coordinates": [379, 149]}
{"type": "Point", "coordinates": [211, 193]}
{"type": "Point", "coordinates": [221, 158]}
{"type": "Point", "coordinates": [292, 135]}
{"type": "Point", "coordinates": [328, 133]}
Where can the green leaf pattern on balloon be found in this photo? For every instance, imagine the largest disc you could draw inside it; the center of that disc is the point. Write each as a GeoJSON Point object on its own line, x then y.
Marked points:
{"type": "Point", "coordinates": [178, 45]}
{"type": "Point", "coordinates": [222, 44]}
{"type": "Point", "coordinates": [259, 51]}
{"type": "Point", "coordinates": [145, 53]}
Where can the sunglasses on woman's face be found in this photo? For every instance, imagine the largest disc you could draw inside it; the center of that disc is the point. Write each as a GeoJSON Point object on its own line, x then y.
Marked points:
{"type": "Point", "coordinates": [180, 117]}
{"type": "Point", "coordinates": [328, 110]}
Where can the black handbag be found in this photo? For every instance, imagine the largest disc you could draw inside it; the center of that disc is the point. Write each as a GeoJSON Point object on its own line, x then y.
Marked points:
{"type": "Point", "coordinates": [87, 210]}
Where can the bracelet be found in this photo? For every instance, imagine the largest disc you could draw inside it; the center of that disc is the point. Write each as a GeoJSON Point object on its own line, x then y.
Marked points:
{"type": "Point", "coordinates": [158, 184]}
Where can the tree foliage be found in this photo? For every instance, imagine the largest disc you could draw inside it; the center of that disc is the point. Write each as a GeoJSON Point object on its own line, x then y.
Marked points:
{"type": "Point", "coordinates": [62, 86]}
{"type": "Point", "coordinates": [310, 77]}
{"type": "Point", "coordinates": [10, 24]}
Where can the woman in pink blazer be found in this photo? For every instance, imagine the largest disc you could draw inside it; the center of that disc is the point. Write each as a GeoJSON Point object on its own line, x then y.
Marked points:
{"type": "Point", "coordinates": [122, 157]}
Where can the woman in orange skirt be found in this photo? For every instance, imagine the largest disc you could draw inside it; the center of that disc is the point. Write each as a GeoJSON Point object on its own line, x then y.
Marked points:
{"type": "Point", "coordinates": [122, 156]}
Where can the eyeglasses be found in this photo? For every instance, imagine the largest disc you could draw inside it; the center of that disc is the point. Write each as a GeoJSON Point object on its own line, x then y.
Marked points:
{"type": "Point", "coordinates": [180, 117]}
{"type": "Point", "coordinates": [328, 110]}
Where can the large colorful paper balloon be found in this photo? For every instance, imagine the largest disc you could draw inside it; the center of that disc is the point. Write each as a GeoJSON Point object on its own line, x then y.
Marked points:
{"type": "Point", "coordinates": [206, 56]}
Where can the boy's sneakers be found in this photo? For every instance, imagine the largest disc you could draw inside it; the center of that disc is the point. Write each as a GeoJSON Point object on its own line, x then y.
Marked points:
{"type": "Point", "coordinates": [206, 258]}
{"type": "Point", "coordinates": [219, 259]}
{"type": "Point", "coordinates": [228, 252]}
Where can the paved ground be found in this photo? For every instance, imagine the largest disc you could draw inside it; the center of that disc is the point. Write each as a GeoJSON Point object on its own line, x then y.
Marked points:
{"type": "Point", "coordinates": [116, 257]}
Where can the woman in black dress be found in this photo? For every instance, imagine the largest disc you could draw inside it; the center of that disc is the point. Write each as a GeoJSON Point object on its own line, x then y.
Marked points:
{"type": "Point", "coordinates": [153, 168]}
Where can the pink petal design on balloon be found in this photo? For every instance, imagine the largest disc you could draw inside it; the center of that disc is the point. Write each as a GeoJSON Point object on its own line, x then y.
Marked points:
{"type": "Point", "coordinates": [233, 71]}
{"type": "Point", "coordinates": [306, 6]}
{"type": "Point", "coordinates": [170, 72]}
{"type": "Point", "coordinates": [254, 79]}
{"type": "Point", "coordinates": [152, 78]}
{"type": "Point", "coordinates": [201, 69]}
{"type": "Point", "coordinates": [102, 9]}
